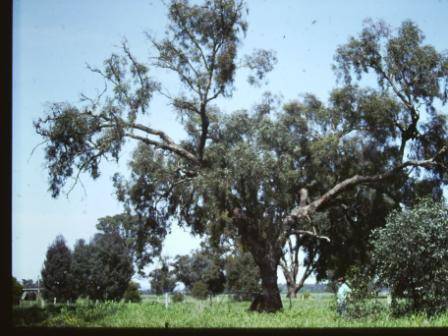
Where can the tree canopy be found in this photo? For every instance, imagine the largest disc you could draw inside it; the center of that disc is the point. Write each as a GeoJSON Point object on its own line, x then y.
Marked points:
{"type": "Point", "coordinates": [103, 268]}
{"type": "Point", "coordinates": [257, 176]}
{"type": "Point", "coordinates": [162, 279]}
{"type": "Point", "coordinates": [205, 265]}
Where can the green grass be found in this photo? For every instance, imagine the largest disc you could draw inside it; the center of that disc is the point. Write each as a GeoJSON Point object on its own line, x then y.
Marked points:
{"type": "Point", "coordinates": [221, 312]}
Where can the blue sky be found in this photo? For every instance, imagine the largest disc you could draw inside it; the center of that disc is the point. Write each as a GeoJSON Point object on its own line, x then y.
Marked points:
{"type": "Point", "coordinates": [53, 41]}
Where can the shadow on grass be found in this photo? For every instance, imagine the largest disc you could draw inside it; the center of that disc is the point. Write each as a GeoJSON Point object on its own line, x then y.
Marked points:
{"type": "Point", "coordinates": [62, 315]}
{"type": "Point", "coordinates": [33, 315]}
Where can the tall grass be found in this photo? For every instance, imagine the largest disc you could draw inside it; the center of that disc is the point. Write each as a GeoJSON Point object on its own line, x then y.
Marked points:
{"type": "Point", "coordinates": [220, 312]}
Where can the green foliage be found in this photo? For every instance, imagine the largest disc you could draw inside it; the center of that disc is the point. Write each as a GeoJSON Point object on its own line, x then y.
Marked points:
{"type": "Point", "coordinates": [199, 290]}
{"type": "Point", "coordinates": [17, 290]}
{"type": "Point", "coordinates": [81, 314]}
{"type": "Point", "coordinates": [29, 283]}
{"type": "Point", "coordinates": [113, 267]}
{"type": "Point", "coordinates": [205, 264]}
{"type": "Point", "coordinates": [363, 300]}
{"type": "Point", "coordinates": [130, 228]}
{"type": "Point", "coordinates": [163, 279]}
{"type": "Point", "coordinates": [312, 313]}
{"type": "Point", "coordinates": [56, 273]}
{"type": "Point", "coordinates": [83, 264]}
{"type": "Point", "coordinates": [26, 316]}
{"type": "Point", "coordinates": [237, 175]}
{"type": "Point", "coordinates": [132, 293]}
{"type": "Point", "coordinates": [306, 295]}
{"type": "Point", "coordinates": [177, 297]}
{"type": "Point", "coordinates": [385, 120]}
{"type": "Point", "coordinates": [243, 276]}
{"type": "Point", "coordinates": [183, 269]}
{"type": "Point", "coordinates": [103, 268]}
{"type": "Point", "coordinates": [411, 255]}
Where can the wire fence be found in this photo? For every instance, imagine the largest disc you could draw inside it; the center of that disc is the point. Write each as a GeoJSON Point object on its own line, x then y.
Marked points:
{"type": "Point", "coordinates": [229, 297]}
{"type": "Point", "coordinates": [168, 299]}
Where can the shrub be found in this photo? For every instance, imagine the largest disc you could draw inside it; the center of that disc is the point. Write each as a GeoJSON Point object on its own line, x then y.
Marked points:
{"type": "Point", "coordinates": [242, 275]}
{"type": "Point", "coordinates": [199, 290]}
{"type": "Point", "coordinates": [411, 255]}
{"type": "Point", "coordinates": [178, 297]}
{"type": "Point", "coordinates": [17, 290]}
{"type": "Point", "coordinates": [363, 300]}
{"type": "Point", "coordinates": [132, 293]}
{"type": "Point", "coordinates": [306, 295]}
{"type": "Point", "coordinates": [24, 316]}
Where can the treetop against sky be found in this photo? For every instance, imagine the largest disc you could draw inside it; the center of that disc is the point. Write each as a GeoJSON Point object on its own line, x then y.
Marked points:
{"type": "Point", "coordinates": [53, 41]}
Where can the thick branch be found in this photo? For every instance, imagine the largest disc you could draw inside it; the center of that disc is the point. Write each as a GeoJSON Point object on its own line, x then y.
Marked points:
{"type": "Point", "coordinates": [167, 146]}
{"type": "Point", "coordinates": [301, 212]}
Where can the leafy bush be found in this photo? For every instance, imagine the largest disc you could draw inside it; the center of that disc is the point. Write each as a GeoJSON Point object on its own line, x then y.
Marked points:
{"type": "Point", "coordinates": [306, 295]}
{"type": "Point", "coordinates": [163, 279]}
{"type": "Point", "coordinates": [178, 297]}
{"type": "Point", "coordinates": [23, 316]}
{"type": "Point", "coordinates": [34, 315]}
{"type": "Point", "coordinates": [132, 293]}
{"type": "Point", "coordinates": [243, 276]}
{"type": "Point", "coordinates": [17, 290]}
{"type": "Point", "coordinates": [199, 290]}
{"type": "Point", "coordinates": [83, 312]}
{"type": "Point", "coordinates": [363, 300]}
{"type": "Point", "coordinates": [411, 255]}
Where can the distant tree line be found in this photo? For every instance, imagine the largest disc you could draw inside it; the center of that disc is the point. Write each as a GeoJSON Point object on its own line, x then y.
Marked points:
{"type": "Point", "coordinates": [100, 270]}
{"type": "Point", "coordinates": [209, 271]}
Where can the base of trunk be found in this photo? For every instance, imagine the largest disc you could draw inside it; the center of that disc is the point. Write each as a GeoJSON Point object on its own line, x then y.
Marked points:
{"type": "Point", "coordinates": [262, 304]}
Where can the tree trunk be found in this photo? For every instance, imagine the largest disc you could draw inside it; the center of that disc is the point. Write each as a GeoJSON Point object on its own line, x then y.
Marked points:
{"type": "Point", "coordinates": [269, 300]}
{"type": "Point", "coordinates": [292, 292]}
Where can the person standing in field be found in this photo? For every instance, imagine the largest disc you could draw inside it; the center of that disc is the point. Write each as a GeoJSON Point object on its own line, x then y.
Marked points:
{"type": "Point", "coordinates": [342, 296]}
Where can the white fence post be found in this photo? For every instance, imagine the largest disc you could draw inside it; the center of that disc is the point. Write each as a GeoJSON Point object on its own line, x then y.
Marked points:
{"type": "Point", "coordinates": [166, 300]}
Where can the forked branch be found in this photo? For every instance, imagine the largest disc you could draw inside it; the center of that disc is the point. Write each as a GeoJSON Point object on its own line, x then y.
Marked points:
{"type": "Point", "coordinates": [306, 211]}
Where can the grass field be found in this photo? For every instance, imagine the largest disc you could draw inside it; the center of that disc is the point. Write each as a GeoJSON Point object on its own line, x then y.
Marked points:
{"type": "Point", "coordinates": [221, 312]}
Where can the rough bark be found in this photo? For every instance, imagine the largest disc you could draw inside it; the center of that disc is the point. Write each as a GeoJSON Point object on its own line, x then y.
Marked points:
{"type": "Point", "coordinates": [269, 299]}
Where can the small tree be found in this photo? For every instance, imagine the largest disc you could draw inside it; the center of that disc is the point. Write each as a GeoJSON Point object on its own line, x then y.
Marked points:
{"type": "Point", "coordinates": [411, 254]}
{"type": "Point", "coordinates": [17, 290]}
{"type": "Point", "coordinates": [199, 290]}
{"type": "Point", "coordinates": [243, 276]}
{"type": "Point", "coordinates": [178, 297]}
{"type": "Point", "coordinates": [205, 264]}
{"type": "Point", "coordinates": [363, 299]}
{"type": "Point", "coordinates": [56, 273]}
{"type": "Point", "coordinates": [132, 293]}
{"type": "Point", "coordinates": [82, 267]}
{"type": "Point", "coordinates": [29, 283]}
{"type": "Point", "coordinates": [111, 267]}
{"type": "Point", "coordinates": [163, 279]}
{"type": "Point", "coordinates": [102, 269]}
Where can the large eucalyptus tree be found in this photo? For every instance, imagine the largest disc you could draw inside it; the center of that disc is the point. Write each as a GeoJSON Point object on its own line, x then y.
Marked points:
{"type": "Point", "coordinates": [256, 176]}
